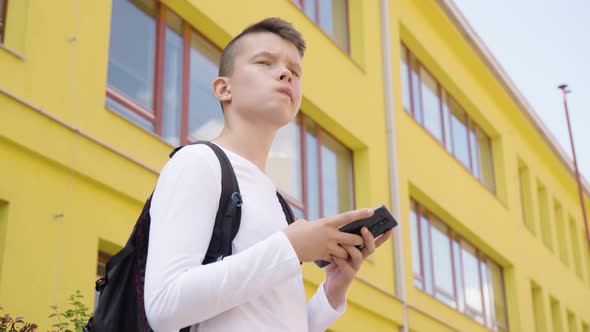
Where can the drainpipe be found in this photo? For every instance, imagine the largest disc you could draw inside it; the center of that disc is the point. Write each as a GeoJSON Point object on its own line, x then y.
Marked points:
{"type": "Point", "coordinates": [400, 276]}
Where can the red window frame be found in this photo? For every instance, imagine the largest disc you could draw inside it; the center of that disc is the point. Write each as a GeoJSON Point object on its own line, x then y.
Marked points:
{"type": "Point", "coordinates": [302, 4]}
{"type": "Point", "coordinates": [469, 123]}
{"type": "Point", "coordinates": [3, 11]}
{"type": "Point", "coordinates": [481, 259]}
{"type": "Point", "coordinates": [304, 203]}
{"type": "Point", "coordinates": [155, 115]}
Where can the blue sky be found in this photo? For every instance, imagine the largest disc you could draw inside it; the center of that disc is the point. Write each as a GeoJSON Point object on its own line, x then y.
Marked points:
{"type": "Point", "coordinates": [541, 44]}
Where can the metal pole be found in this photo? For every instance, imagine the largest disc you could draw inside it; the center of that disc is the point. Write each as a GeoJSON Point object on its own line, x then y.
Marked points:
{"type": "Point", "coordinates": [565, 91]}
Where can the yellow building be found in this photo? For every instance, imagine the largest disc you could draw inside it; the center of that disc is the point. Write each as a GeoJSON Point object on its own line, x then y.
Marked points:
{"type": "Point", "coordinates": [402, 105]}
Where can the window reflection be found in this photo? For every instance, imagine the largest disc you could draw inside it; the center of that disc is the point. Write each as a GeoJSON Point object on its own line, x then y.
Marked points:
{"type": "Point", "coordinates": [313, 189]}
{"type": "Point", "coordinates": [405, 76]}
{"type": "Point", "coordinates": [284, 160]}
{"type": "Point", "coordinates": [172, 94]}
{"type": "Point", "coordinates": [132, 51]}
{"type": "Point", "coordinates": [443, 267]}
{"type": "Point", "coordinates": [333, 18]}
{"type": "Point", "coordinates": [431, 104]}
{"type": "Point", "coordinates": [205, 114]}
{"type": "Point", "coordinates": [459, 133]}
{"type": "Point", "coordinates": [463, 277]}
{"type": "Point", "coordinates": [473, 299]}
{"type": "Point", "coordinates": [336, 176]}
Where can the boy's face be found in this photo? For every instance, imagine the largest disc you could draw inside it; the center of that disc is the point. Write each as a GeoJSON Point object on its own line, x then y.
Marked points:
{"type": "Point", "coordinates": [265, 83]}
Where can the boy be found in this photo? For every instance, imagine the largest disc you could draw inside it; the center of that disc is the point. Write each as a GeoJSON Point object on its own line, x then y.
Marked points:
{"type": "Point", "coordinates": [260, 286]}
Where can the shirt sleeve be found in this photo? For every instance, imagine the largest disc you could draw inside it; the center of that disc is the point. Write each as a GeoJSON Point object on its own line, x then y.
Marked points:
{"type": "Point", "coordinates": [179, 291]}
{"type": "Point", "coordinates": [320, 314]}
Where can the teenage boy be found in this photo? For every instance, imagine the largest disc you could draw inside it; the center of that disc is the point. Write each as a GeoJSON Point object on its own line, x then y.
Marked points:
{"type": "Point", "coordinates": [260, 286]}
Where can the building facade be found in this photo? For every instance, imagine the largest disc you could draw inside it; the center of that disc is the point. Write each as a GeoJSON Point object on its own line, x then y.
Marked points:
{"type": "Point", "coordinates": [403, 105]}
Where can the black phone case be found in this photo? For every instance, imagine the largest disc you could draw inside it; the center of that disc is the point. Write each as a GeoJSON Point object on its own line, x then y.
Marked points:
{"type": "Point", "coordinates": [377, 224]}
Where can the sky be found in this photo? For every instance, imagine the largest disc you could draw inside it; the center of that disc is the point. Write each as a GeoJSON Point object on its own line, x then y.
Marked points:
{"type": "Point", "coordinates": [541, 44]}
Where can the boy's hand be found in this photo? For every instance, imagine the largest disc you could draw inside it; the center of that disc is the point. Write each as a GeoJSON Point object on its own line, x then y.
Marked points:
{"type": "Point", "coordinates": [322, 239]}
{"type": "Point", "coordinates": [341, 272]}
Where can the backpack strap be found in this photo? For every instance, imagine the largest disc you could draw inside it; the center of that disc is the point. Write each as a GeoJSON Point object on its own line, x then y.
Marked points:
{"type": "Point", "coordinates": [227, 220]}
{"type": "Point", "coordinates": [286, 209]}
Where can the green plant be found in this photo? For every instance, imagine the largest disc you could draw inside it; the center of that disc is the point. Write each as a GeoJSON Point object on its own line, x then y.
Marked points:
{"type": "Point", "coordinates": [17, 324]}
{"type": "Point", "coordinates": [77, 315]}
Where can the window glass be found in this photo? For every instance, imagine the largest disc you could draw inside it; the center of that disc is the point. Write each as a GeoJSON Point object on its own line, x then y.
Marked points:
{"type": "Point", "coordinates": [446, 118]}
{"type": "Point", "coordinates": [498, 295]}
{"type": "Point", "coordinates": [458, 276]}
{"type": "Point", "coordinates": [284, 160]}
{"type": "Point", "coordinates": [310, 9]}
{"type": "Point", "coordinates": [459, 133]}
{"type": "Point", "coordinates": [475, 158]}
{"type": "Point", "coordinates": [442, 260]}
{"type": "Point", "coordinates": [472, 285]}
{"type": "Point", "coordinates": [405, 73]}
{"type": "Point", "coordinates": [205, 114]}
{"type": "Point", "coordinates": [426, 253]}
{"type": "Point", "coordinates": [486, 163]}
{"type": "Point", "coordinates": [431, 104]}
{"type": "Point", "coordinates": [417, 103]}
{"type": "Point", "coordinates": [336, 176]}
{"type": "Point", "coordinates": [3, 5]}
{"type": "Point", "coordinates": [415, 241]}
{"type": "Point", "coordinates": [172, 94]}
{"type": "Point", "coordinates": [132, 51]}
{"type": "Point", "coordinates": [334, 20]}
{"type": "Point", "coordinates": [313, 189]}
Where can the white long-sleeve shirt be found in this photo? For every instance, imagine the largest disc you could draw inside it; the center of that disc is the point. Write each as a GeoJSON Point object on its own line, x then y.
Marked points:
{"type": "Point", "coordinates": [258, 288]}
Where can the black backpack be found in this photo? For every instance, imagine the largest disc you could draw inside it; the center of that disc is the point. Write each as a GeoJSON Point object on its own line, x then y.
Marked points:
{"type": "Point", "coordinates": [121, 305]}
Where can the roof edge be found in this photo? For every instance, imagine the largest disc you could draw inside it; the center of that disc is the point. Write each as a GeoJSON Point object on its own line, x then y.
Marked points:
{"type": "Point", "coordinates": [455, 15]}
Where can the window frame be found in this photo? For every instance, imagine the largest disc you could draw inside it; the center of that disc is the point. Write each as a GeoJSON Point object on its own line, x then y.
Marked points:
{"type": "Point", "coordinates": [3, 16]}
{"type": "Point", "coordinates": [155, 115]}
{"type": "Point", "coordinates": [414, 65]}
{"type": "Point", "coordinates": [459, 299]}
{"type": "Point", "coordinates": [303, 204]}
{"type": "Point", "coordinates": [301, 5]}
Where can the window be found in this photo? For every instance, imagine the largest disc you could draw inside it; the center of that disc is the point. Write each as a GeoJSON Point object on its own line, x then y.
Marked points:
{"type": "Point", "coordinates": [538, 308]}
{"type": "Point", "coordinates": [575, 243]}
{"type": "Point", "coordinates": [331, 16]}
{"type": "Point", "coordinates": [3, 8]}
{"type": "Point", "coordinates": [560, 229]}
{"type": "Point", "coordinates": [556, 315]}
{"type": "Point", "coordinates": [160, 71]}
{"type": "Point", "coordinates": [546, 233]}
{"type": "Point", "coordinates": [312, 169]}
{"type": "Point", "coordinates": [571, 322]}
{"type": "Point", "coordinates": [525, 197]}
{"type": "Point", "coordinates": [455, 272]}
{"type": "Point", "coordinates": [436, 110]}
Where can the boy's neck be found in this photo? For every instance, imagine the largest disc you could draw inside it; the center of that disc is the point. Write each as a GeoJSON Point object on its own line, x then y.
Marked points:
{"type": "Point", "coordinates": [251, 142]}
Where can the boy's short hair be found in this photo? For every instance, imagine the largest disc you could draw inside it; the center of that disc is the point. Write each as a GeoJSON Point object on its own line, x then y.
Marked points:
{"type": "Point", "coordinates": [273, 25]}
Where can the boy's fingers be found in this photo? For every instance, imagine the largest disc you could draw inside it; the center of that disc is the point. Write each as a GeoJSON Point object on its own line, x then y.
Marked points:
{"type": "Point", "coordinates": [346, 218]}
{"type": "Point", "coordinates": [351, 239]}
{"type": "Point", "coordinates": [338, 251]}
{"type": "Point", "coordinates": [384, 237]}
{"type": "Point", "coordinates": [344, 265]}
{"type": "Point", "coordinates": [356, 256]}
{"type": "Point", "coordinates": [369, 241]}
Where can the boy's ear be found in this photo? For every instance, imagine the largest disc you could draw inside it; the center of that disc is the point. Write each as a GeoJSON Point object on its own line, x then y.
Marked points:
{"type": "Point", "coordinates": [221, 89]}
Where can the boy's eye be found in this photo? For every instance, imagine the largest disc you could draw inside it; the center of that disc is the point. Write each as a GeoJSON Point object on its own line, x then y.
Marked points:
{"type": "Point", "coordinates": [295, 73]}
{"type": "Point", "coordinates": [263, 62]}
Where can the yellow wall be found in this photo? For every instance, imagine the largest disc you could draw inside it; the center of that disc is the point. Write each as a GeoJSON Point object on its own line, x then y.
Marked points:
{"type": "Point", "coordinates": [53, 82]}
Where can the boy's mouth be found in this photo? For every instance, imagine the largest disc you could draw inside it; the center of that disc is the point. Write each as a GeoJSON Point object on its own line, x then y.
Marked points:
{"type": "Point", "coordinates": [287, 92]}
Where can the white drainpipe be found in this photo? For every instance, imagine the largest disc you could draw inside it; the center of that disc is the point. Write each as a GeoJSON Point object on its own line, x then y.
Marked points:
{"type": "Point", "coordinates": [400, 283]}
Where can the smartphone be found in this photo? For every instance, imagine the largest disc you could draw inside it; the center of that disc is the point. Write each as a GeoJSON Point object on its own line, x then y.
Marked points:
{"type": "Point", "coordinates": [380, 222]}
